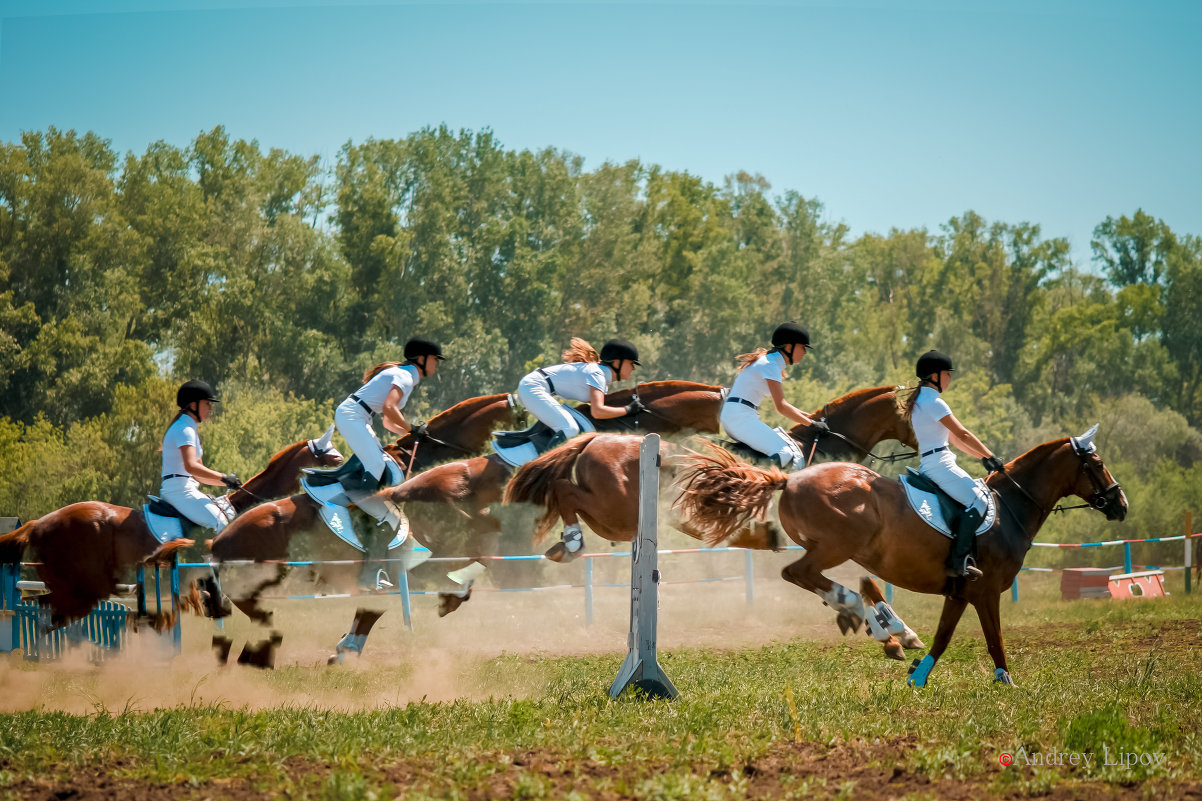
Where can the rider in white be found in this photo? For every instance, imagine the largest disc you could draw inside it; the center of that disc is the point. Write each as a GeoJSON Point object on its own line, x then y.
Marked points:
{"type": "Point", "coordinates": [584, 376]}
{"type": "Point", "coordinates": [183, 472]}
{"type": "Point", "coordinates": [385, 391]}
{"type": "Point", "coordinates": [760, 375]}
{"type": "Point", "coordinates": [934, 425]}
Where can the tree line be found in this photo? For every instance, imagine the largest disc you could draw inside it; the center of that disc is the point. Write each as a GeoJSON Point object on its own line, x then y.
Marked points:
{"type": "Point", "coordinates": [278, 279]}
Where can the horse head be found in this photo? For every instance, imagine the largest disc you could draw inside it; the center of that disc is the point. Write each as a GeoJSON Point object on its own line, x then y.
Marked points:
{"type": "Point", "coordinates": [1094, 484]}
{"type": "Point", "coordinates": [323, 451]}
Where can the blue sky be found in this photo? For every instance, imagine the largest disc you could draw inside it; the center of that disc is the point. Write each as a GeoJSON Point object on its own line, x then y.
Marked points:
{"type": "Point", "coordinates": [901, 113]}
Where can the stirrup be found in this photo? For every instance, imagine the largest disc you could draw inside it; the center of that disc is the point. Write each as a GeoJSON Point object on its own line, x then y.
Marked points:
{"type": "Point", "coordinates": [968, 570]}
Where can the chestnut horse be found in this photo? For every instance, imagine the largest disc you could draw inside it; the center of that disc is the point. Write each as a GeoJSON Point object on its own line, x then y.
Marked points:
{"type": "Point", "coordinates": [460, 431]}
{"type": "Point", "coordinates": [448, 507]}
{"type": "Point", "coordinates": [672, 406]}
{"type": "Point", "coordinates": [604, 491]}
{"type": "Point", "coordinates": [85, 548]}
{"type": "Point", "coordinates": [841, 512]}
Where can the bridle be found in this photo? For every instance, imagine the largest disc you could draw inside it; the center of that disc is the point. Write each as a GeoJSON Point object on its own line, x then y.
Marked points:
{"type": "Point", "coordinates": [1101, 497]}
{"type": "Point", "coordinates": [865, 452]}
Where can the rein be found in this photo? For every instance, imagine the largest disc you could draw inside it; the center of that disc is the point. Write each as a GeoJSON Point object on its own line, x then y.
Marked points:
{"type": "Point", "coordinates": [890, 459]}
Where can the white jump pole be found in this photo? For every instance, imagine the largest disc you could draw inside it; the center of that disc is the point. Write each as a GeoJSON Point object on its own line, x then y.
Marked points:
{"type": "Point", "coordinates": [641, 668]}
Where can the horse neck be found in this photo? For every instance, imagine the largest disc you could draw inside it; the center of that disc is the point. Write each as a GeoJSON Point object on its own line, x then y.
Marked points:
{"type": "Point", "coordinates": [1046, 473]}
{"type": "Point", "coordinates": [471, 422]}
{"type": "Point", "coordinates": [684, 404]}
{"type": "Point", "coordinates": [869, 417]}
{"type": "Point", "coordinates": [276, 480]}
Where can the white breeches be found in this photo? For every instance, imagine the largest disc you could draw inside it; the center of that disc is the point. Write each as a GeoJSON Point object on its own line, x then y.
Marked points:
{"type": "Point", "coordinates": [538, 400]}
{"type": "Point", "coordinates": [354, 424]}
{"type": "Point", "coordinates": [185, 495]}
{"type": "Point", "coordinates": [744, 424]}
{"type": "Point", "coordinates": [942, 469]}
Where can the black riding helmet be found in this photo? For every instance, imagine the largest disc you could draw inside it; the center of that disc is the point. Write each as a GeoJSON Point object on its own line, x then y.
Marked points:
{"type": "Point", "coordinates": [617, 349]}
{"type": "Point", "coordinates": [791, 333]}
{"type": "Point", "coordinates": [194, 391]}
{"type": "Point", "coordinates": [416, 348]}
{"type": "Point", "coordinates": [933, 362]}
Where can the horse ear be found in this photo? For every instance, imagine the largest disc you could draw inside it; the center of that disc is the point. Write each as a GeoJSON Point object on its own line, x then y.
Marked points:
{"type": "Point", "coordinates": [324, 443]}
{"type": "Point", "coordinates": [1084, 442]}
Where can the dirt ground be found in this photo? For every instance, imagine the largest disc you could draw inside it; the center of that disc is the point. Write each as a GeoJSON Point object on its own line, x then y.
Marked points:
{"type": "Point", "coordinates": [857, 770]}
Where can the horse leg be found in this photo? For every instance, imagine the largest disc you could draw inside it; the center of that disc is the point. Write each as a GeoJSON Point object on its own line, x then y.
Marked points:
{"type": "Point", "coordinates": [953, 608]}
{"type": "Point", "coordinates": [806, 573]}
{"type": "Point", "coordinates": [486, 530]}
{"type": "Point", "coordinates": [262, 653]}
{"type": "Point", "coordinates": [567, 498]}
{"type": "Point", "coordinates": [991, 624]}
{"type": "Point", "coordinates": [354, 640]}
{"type": "Point", "coordinates": [884, 625]}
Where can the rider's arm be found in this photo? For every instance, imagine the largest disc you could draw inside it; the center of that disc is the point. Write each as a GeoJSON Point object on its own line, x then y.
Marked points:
{"type": "Point", "coordinates": [964, 439]}
{"type": "Point", "coordinates": [597, 407]}
{"type": "Point", "coordinates": [391, 415]}
{"type": "Point", "coordinates": [776, 390]}
{"type": "Point", "coordinates": [198, 471]}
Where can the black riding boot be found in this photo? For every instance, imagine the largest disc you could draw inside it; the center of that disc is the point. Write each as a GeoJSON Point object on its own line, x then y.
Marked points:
{"type": "Point", "coordinates": [959, 560]}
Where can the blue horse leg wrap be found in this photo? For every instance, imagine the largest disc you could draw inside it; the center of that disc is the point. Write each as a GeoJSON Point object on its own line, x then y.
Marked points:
{"type": "Point", "coordinates": [920, 671]}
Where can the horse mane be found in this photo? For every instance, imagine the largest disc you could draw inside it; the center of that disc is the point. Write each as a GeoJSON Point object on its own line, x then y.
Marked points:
{"type": "Point", "coordinates": [719, 494]}
{"type": "Point", "coordinates": [285, 450]}
{"type": "Point", "coordinates": [481, 400]}
{"type": "Point", "coordinates": [856, 397]}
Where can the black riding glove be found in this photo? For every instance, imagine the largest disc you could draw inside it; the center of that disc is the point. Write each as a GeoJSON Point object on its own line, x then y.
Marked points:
{"type": "Point", "coordinates": [992, 464]}
{"type": "Point", "coordinates": [231, 481]}
{"type": "Point", "coordinates": [634, 407]}
{"type": "Point", "coordinates": [819, 427]}
{"type": "Point", "coordinates": [419, 431]}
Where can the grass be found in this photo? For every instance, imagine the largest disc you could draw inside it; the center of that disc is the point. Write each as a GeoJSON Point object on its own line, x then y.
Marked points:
{"type": "Point", "coordinates": [1109, 677]}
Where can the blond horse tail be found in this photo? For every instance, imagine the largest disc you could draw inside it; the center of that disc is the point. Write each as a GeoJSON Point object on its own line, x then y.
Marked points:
{"type": "Point", "coordinates": [719, 494]}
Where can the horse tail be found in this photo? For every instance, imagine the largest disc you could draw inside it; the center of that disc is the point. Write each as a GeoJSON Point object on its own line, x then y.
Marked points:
{"type": "Point", "coordinates": [533, 481]}
{"type": "Point", "coordinates": [719, 494]}
{"type": "Point", "coordinates": [14, 543]}
{"type": "Point", "coordinates": [167, 550]}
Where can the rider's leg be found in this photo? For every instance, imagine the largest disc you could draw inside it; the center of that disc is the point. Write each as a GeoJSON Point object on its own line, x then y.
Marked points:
{"type": "Point", "coordinates": [185, 495]}
{"type": "Point", "coordinates": [952, 478]}
{"type": "Point", "coordinates": [742, 423]}
{"type": "Point", "coordinates": [354, 423]}
{"type": "Point", "coordinates": [546, 409]}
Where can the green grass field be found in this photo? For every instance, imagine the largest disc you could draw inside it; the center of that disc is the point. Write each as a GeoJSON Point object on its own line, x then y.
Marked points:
{"type": "Point", "coordinates": [767, 715]}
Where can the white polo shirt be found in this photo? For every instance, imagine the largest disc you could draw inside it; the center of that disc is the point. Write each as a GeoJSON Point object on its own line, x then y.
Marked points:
{"type": "Point", "coordinates": [573, 380]}
{"type": "Point", "coordinates": [751, 384]}
{"type": "Point", "coordinates": [929, 410]}
{"type": "Point", "coordinates": [375, 391]}
{"type": "Point", "coordinates": [180, 433]}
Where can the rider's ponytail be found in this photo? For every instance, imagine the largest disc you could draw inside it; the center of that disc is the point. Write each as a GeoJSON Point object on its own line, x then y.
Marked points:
{"type": "Point", "coordinates": [906, 398]}
{"type": "Point", "coordinates": [745, 359]}
{"type": "Point", "coordinates": [580, 351]}
{"type": "Point", "coordinates": [373, 372]}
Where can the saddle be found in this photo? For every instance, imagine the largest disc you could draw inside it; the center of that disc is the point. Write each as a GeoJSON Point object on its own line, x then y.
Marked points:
{"type": "Point", "coordinates": [336, 489]}
{"type": "Point", "coordinates": [538, 434]}
{"type": "Point", "coordinates": [518, 447]}
{"type": "Point", "coordinates": [166, 523]}
{"type": "Point", "coordinates": [938, 509]}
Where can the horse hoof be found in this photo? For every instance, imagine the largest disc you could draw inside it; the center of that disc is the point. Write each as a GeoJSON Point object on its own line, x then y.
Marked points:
{"type": "Point", "coordinates": [848, 623]}
{"type": "Point", "coordinates": [910, 641]}
{"type": "Point", "coordinates": [448, 602]}
{"type": "Point", "coordinates": [1002, 676]}
{"type": "Point", "coordinates": [558, 553]}
{"type": "Point", "coordinates": [893, 650]}
{"type": "Point", "coordinates": [221, 647]}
